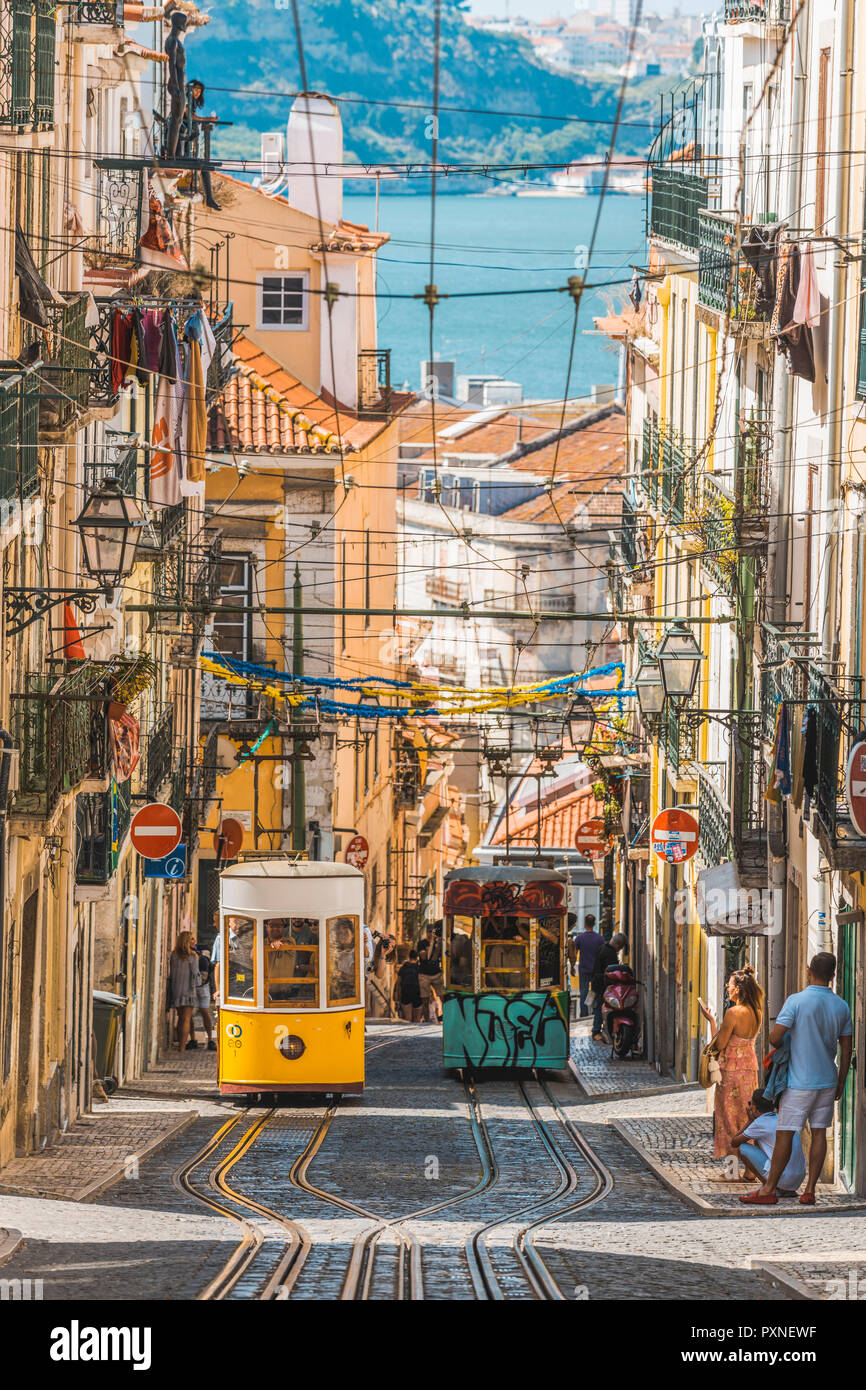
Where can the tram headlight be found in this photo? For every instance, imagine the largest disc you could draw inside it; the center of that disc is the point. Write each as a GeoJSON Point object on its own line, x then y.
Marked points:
{"type": "Point", "coordinates": [292, 1047]}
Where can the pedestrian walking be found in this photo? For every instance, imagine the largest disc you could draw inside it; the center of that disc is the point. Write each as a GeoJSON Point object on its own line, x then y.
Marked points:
{"type": "Point", "coordinates": [608, 955]}
{"type": "Point", "coordinates": [588, 943]}
{"type": "Point", "coordinates": [820, 1025]}
{"type": "Point", "coordinates": [409, 989]}
{"type": "Point", "coordinates": [203, 1000]}
{"type": "Point", "coordinates": [183, 985]}
{"type": "Point", "coordinates": [738, 1063]}
{"type": "Point", "coordinates": [430, 974]}
{"type": "Point", "coordinates": [755, 1145]}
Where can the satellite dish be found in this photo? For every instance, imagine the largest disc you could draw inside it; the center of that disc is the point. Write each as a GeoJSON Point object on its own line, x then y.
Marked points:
{"type": "Point", "coordinates": [226, 756]}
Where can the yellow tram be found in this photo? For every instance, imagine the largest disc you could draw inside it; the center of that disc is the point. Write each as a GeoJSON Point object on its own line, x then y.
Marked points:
{"type": "Point", "coordinates": [291, 979]}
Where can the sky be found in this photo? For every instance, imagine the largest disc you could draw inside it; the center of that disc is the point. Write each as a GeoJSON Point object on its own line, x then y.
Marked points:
{"type": "Point", "coordinates": [547, 9]}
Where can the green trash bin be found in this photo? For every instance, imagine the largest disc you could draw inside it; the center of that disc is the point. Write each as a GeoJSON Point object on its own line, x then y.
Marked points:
{"type": "Point", "coordinates": [107, 1013]}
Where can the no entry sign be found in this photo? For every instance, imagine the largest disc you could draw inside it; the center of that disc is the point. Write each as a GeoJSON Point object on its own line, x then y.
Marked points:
{"type": "Point", "coordinates": [591, 839]}
{"type": "Point", "coordinates": [674, 836]}
{"type": "Point", "coordinates": [855, 786]}
{"type": "Point", "coordinates": [155, 830]}
{"type": "Point", "coordinates": [357, 852]}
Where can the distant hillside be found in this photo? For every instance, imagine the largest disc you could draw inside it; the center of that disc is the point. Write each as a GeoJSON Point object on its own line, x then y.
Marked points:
{"type": "Point", "coordinates": [383, 49]}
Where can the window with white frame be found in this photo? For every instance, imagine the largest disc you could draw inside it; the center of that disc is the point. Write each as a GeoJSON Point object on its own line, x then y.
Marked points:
{"type": "Point", "coordinates": [283, 301]}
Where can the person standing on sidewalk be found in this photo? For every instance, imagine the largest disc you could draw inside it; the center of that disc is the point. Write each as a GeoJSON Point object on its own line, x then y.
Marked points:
{"type": "Point", "coordinates": [820, 1024]}
{"type": "Point", "coordinates": [588, 944]}
{"type": "Point", "coordinates": [183, 985]}
{"type": "Point", "coordinates": [735, 1042]}
{"type": "Point", "coordinates": [608, 955]}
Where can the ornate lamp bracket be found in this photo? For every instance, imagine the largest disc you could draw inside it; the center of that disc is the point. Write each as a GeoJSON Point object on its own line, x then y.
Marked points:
{"type": "Point", "coordinates": [24, 606]}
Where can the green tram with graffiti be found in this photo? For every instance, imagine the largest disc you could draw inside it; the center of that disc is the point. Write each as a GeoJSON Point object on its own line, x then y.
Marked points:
{"type": "Point", "coordinates": [505, 1001]}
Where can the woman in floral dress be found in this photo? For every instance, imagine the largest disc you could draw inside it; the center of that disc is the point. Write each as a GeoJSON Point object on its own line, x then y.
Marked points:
{"type": "Point", "coordinates": [737, 1060]}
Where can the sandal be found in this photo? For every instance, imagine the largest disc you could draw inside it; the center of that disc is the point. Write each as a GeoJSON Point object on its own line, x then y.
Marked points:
{"type": "Point", "coordinates": [759, 1198]}
{"type": "Point", "coordinates": [807, 1199]}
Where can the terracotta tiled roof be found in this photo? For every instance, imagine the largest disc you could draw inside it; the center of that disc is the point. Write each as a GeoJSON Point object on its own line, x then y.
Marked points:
{"type": "Point", "coordinates": [266, 410]}
{"type": "Point", "coordinates": [563, 809]}
{"type": "Point", "coordinates": [594, 452]}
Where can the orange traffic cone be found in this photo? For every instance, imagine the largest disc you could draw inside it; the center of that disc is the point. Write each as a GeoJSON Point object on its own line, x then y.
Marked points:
{"type": "Point", "coordinates": [73, 647]}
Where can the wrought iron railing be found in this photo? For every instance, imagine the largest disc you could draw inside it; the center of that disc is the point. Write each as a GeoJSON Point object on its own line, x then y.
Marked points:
{"type": "Point", "coordinates": [67, 363]}
{"type": "Point", "coordinates": [102, 821]}
{"type": "Point", "coordinates": [159, 753]}
{"type": "Point", "coordinates": [61, 736]}
{"type": "Point", "coordinates": [105, 13]}
{"type": "Point", "coordinates": [220, 368]}
{"type": "Point", "coordinates": [748, 778]}
{"type": "Point", "coordinates": [770, 11]}
{"type": "Point", "coordinates": [723, 272]}
{"type": "Point", "coordinates": [450, 590]}
{"type": "Point", "coordinates": [650, 458]}
{"type": "Point", "coordinates": [715, 844]}
{"type": "Point", "coordinates": [374, 381]}
{"type": "Point", "coordinates": [43, 62]}
{"type": "Point", "coordinates": [718, 535]}
{"type": "Point", "coordinates": [677, 200]}
{"type": "Point", "coordinates": [120, 460]}
{"type": "Point", "coordinates": [677, 478]}
{"type": "Point", "coordinates": [118, 226]}
{"type": "Point", "coordinates": [19, 437]}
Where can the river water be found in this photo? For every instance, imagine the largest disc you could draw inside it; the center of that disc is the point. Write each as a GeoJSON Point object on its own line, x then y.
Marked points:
{"type": "Point", "coordinates": [503, 243]}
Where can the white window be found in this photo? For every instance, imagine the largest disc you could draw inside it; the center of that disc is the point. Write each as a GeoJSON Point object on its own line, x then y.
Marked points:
{"type": "Point", "coordinates": [283, 301]}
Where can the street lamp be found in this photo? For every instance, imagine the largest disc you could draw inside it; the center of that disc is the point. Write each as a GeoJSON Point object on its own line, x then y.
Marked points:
{"type": "Point", "coordinates": [649, 689]}
{"type": "Point", "coordinates": [580, 721]}
{"type": "Point", "coordinates": [109, 525]}
{"type": "Point", "coordinates": [679, 659]}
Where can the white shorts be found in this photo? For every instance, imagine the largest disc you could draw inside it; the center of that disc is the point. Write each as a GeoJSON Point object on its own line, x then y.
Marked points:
{"type": "Point", "coordinates": [796, 1107]}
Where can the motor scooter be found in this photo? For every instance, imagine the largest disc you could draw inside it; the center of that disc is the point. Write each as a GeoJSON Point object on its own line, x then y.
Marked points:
{"type": "Point", "coordinates": [619, 1009]}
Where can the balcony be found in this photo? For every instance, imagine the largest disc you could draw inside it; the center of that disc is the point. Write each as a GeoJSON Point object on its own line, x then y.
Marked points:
{"type": "Point", "coordinates": [374, 382]}
{"type": "Point", "coordinates": [99, 342]}
{"type": "Point", "coordinates": [60, 730]}
{"type": "Point", "coordinates": [27, 46]}
{"type": "Point", "coordinates": [66, 374]}
{"type": "Point", "coordinates": [715, 845]}
{"type": "Point", "coordinates": [721, 274]}
{"type": "Point", "coordinates": [96, 19]}
{"type": "Point", "coordinates": [159, 754]}
{"type": "Point", "coordinates": [714, 524]}
{"type": "Point", "coordinates": [19, 439]}
{"type": "Point", "coordinates": [117, 225]}
{"type": "Point", "coordinates": [446, 590]}
{"type": "Point", "coordinates": [774, 12]}
{"type": "Point", "coordinates": [101, 824]}
{"type": "Point", "coordinates": [677, 201]}
{"type": "Point", "coordinates": [749, 808]}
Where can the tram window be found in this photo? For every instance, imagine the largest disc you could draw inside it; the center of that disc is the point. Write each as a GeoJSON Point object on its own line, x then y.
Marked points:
{"type": "Point", "coordinates": [292, 962]}
{"type": "Point", "coordinates": [459, 953]}
{"type": "Point", "coordinates": [505, 953]}
{"type": "Point", "coordinates": [343, 981]}
{"type": "Point", "coordinates": [549, 953]}
{"type": "Point", "coordinates": [240, 952]}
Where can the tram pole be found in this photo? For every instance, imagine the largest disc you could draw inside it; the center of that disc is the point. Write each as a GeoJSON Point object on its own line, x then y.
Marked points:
{"type": "Point", "coordinates": [299, 789]}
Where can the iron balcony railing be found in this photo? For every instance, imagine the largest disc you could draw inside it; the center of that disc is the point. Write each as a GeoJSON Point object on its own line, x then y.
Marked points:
{"type": "Point", "coordinates": [768, 11]}
{"type": "Point", "coordinates": [19, 438]}
{"type": "Point", "coordinates": [159, 754]}
{"type": "Point", "coordinates": [124, 466]}
{"type": "Point", "coordinates": [715, 845]}
{"type": "Point", "coordinates": [66, 373]}
{"type": "Point", "coordinates": [374, 381]}
{"type": "Point", "coordinates": [221, 365]}
{"type": "Point", "coordinates": [650, 458]}
{"type": "Point", "coordinates": [27, 51]}
{"type": "Point", "coordinates": [102, 13]}
{"type": "Point", "coordinates": [677, 200]}
{"type": "Point", "coordinates": [102, 821]}
{"type": "Point", "coordinates": [718, 535]}
{"type": "Point", "coordinates": [118, 225]}
{"type": "Point", "coordinates": [447, 590]}
{"type": "Point", "coordinates": [628, 534]}
{"type": "Point", "coordinates": [723, 272]}
{"type": "Point", "coordinates": [61, 733]}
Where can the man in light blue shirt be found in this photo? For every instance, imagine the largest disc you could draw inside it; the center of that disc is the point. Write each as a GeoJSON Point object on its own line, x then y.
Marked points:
{"type": "Point", "coordinates": [820, 1022]}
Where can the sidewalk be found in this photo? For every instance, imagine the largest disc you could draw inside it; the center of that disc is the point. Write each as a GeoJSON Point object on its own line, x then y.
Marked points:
{"type": "Point", "coordinates": [598, 1075]}
{"type": "Point", "coordinates": [191, 1074]}
{"type": "Point", "coordinates": [94, 1152]}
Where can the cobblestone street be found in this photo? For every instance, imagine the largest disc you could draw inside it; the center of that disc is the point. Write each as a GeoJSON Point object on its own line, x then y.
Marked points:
{"type": "Point", "coordinates": [419, 1188]}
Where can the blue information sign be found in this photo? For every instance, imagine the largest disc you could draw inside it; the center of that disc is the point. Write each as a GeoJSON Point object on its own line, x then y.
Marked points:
{"type": "Point", "coordinates": [172, 866]}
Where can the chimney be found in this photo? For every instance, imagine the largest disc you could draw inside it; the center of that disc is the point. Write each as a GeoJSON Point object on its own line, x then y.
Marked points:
{"type": "Point", "coordinates": [314, 145]}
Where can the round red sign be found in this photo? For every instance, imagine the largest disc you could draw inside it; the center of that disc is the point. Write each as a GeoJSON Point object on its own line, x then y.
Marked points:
{"type": "Point", "coordinates": [855, 786]}
{"type": "Point", "coordinates": [674, 836]}
{"type": "Point", "coordinates": [228, 839]}
{"type": "Point", "coordinates": [591, 839]}
{"type": "Point", "coordinates": [357, 852]}
{"type": "Point", "coordinates": [155, 830]}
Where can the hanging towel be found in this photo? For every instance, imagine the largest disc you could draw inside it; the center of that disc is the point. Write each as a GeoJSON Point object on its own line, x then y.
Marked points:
{"type": "Point", "coordinates": [121, 347]}
{"type": "Point", "coordinates": [164, 470]}
{"type": "Point", "coordinates": [807, 306]}
{"type": "Point", "coordinates": [159, 245]}
{"type": "Point", "coordinates": [780, 777]}
{"type": "Point", "coordinates": [198, 327]}
{"type": "Point", "coordinates": [197, 426]}
{"type": "Point", "coordinates": [793, 340]}
{"type": "Point", "coordinates": [151, 333]}
{"type": "Point", "coordinates": [761, 252]}
{"type": "Point", "coordinates": [798, 743]}
{"type": "Point", "coordinates": [810, 753]}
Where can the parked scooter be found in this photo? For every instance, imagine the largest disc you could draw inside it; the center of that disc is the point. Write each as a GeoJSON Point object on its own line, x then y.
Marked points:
{"type": "Point", "coordinates": [619, 1011]}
